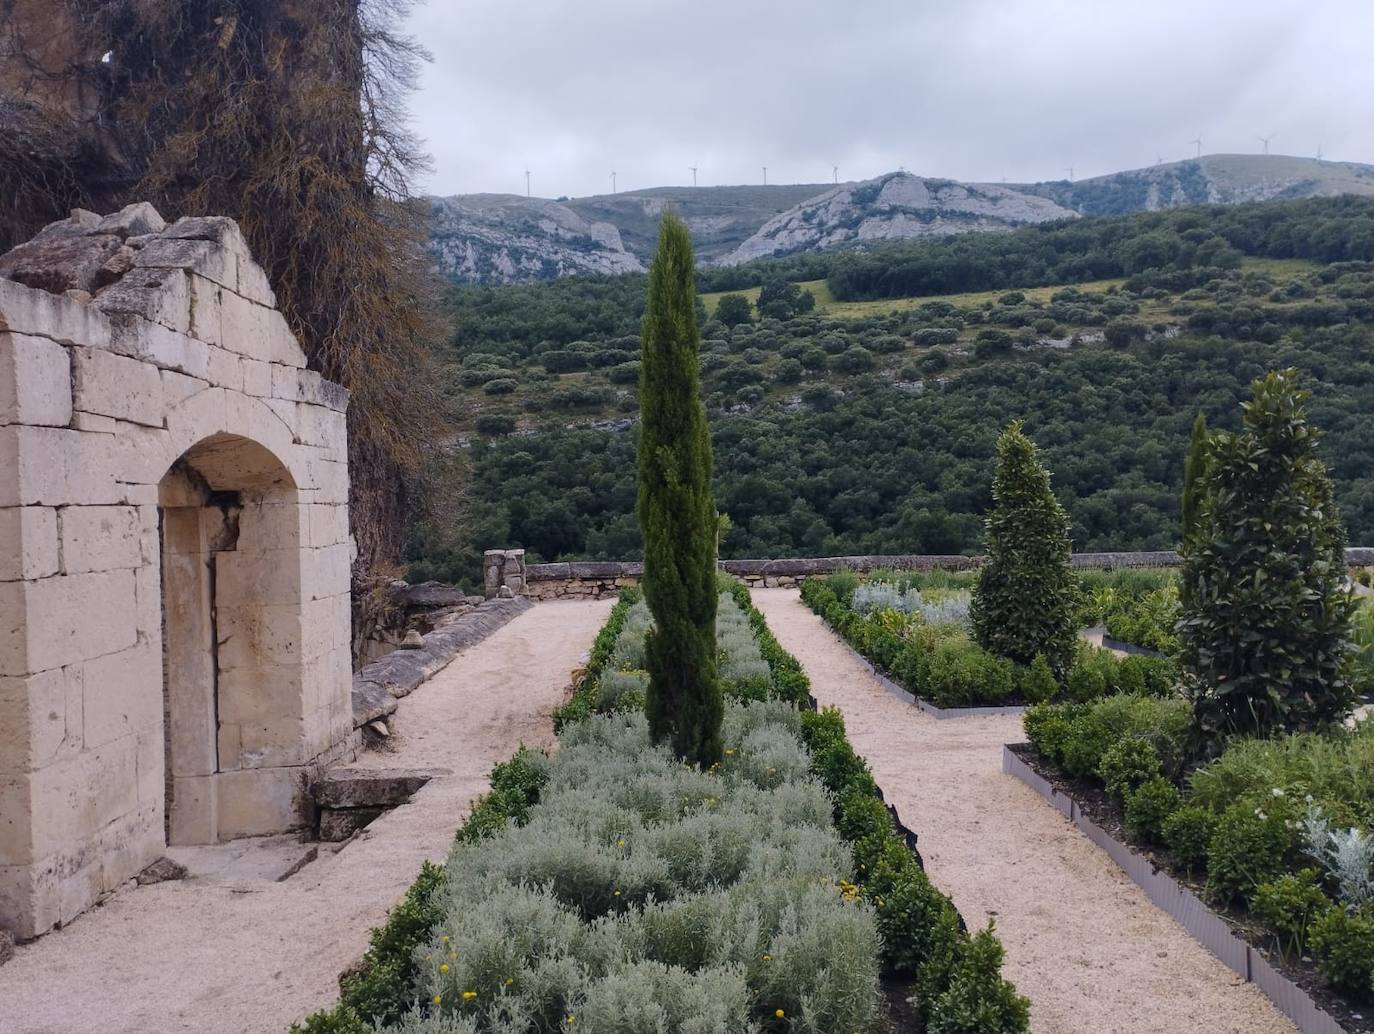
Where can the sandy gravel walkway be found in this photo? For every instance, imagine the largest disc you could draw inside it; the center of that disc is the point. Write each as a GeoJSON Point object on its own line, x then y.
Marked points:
{"type": "Point", "coordinates": [1083, 942]}
{"type": "Point", "coordinates": [200, 957]}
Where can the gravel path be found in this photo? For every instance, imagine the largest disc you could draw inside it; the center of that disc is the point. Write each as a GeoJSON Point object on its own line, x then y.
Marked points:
{"type": "Point", "coordinates": [257, 956]}
{"type": "Point", "coordinates": [1083, 942]}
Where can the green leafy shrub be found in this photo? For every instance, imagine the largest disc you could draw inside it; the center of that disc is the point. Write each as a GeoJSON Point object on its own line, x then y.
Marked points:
{"type": "Point", "coordinates": [1266, 564]}
{"type": "Point", "coordinates": [1038, 684]}
{"type": "Point", "coordinates": [1290, 905]}
{"type": "Point", "coordinates": [1127, 765]}
{"type": "Point", "coordinates": [1246, 850]}
{"type": "Point", "coordinates": [978, 1000]}
{"type": "Point", "coordinates": [1149, 806]}
{"type": "Point", "coordinates": [1048, 728]}
{"type": "Point", "coordinates": [1187, 833]}
{"type": "Point", "coordinates": [1344, 943]}
{"type": "Point", "coordinates": [1024, 602]}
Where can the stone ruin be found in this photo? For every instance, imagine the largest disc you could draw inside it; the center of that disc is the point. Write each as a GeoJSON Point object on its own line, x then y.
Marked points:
{"type": "Point", "coordinates": [174, 558]}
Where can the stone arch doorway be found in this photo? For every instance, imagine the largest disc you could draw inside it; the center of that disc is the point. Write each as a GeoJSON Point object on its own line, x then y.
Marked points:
{"type": "Point", "coordinates": [229, 535]}
{"type": "Point", "coordinates": [155, 409]}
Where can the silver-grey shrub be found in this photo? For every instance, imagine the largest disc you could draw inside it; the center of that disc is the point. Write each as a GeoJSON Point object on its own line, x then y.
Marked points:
{"type": "Point", "coordinates": [647, 895]}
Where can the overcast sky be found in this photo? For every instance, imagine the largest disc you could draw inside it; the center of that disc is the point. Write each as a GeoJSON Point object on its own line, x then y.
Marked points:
{"type": "Point", "coordinates": [969, 89]}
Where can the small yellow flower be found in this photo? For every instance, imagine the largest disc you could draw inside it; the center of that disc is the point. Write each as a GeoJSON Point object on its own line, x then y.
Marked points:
{"type": "Point", "coordinates": [443, 967]}
{"type": "Point", "coordinates": [768, 958]}
{"type": "Point", "coordinates": [509, 981]}
{"type": "Point", "coordinates": [730, 753]}
{"type": "Point", "coordinates": [617, 893]}
{"type": "Point", "coordinates": [469, 995]}
{"type": "Point", "coordinates": [620, 843]}
{"type": "Point", "coordinates": [572, 1020]}
{"type": "Point", "coordinates": [444, 939]}
{"type": "Point", "coordinates": [779, 1014]}
{"type": "Point", "coordinates": [438, 999]}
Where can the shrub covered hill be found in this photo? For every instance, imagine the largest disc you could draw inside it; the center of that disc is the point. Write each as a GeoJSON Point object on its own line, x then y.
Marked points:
{"type": "Point", "coordinates": [855, 397]}
{"type": "Point", "coordinates": [505, 238]}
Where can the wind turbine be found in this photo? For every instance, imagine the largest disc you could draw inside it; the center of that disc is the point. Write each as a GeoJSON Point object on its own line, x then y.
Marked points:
{"type": "Point", "coordinates": [1069, 170]}
{"type": "Point", "coordinates": [835, 169]}
{"type": "Point", "coordinates": [527, 182]}
{"type": "Point", "coordinates": [612, 181]}
{"type": "Point", "coordinates": [1197, 142]}
{"type": "Point", "coordinates": [1319, 152]}
{"type": "Point", "coordinates": [1159, 158]}
{"type": "Point", "coordinates": [694, 174]}
{"type": "Point", "coordinates": [1265, 141]}
{"type": "Point", "coordinates": [765, 175]}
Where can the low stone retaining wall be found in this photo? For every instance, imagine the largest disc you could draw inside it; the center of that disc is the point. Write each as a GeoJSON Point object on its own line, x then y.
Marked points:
{"type": "Point", "coordinates": [592, 579]}
{"type": "Point", "coordinates": [377, 686]}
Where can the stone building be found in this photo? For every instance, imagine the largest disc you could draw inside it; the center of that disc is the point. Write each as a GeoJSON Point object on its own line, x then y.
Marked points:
{"type": "Point", "coordinates": [174, 557]}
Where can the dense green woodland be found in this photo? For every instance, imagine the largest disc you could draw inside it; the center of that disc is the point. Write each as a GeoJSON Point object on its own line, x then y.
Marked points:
{"type": "Point", "coordinates": [841, 435]}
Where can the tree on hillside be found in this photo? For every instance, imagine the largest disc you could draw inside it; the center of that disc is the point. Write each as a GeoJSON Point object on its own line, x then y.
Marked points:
{"type": "Point", "coordinates": [289, 118]}
{"type": "Point", "coordinates": [734, 309]}
{"type": "Point", "coordinates": [677, 512]}
{"type": "Point", "coordinates": [782, 299]}
{"type": "Point", "coordinates": [1266, 618]}
{"type": "Point", "coordinates": [1023, 604]}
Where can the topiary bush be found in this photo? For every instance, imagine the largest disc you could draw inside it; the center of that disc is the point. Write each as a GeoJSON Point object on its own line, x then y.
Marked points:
{"type": "Point", "coordinates": [1187, 833]}
{"type": "Point", "coordinates": [1149, 807]}
{"type": "Point", "coordinates": [1264, 564]}
{"type": "Point", "coordinates": [1290, 906]}
{"type": "Point", "coordinates": [1344, 944]}
{"type": "Point", "coordinates": [978, 1000]}
{"type": "Point", "coordinates": [1127, 765]}
{"type": "Point", "coordinates": [1247, 849]}
{"type": "Point", "coordinates": [1024, 601]}
{"type": "Point", "coordinates": [1038, 684]}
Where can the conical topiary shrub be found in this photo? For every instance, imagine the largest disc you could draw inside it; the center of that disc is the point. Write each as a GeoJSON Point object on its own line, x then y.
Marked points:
{"type": "Point", "coordinates": [677, 512]}
{"type": "Point", "coordinates": [1023, 604]}
{"type": "Point", "coordinates": [1266, 613]}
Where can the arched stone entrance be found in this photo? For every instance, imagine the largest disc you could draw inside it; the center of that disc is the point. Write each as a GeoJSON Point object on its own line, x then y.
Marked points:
{"type": "Point", "coordinates": [174, 558]}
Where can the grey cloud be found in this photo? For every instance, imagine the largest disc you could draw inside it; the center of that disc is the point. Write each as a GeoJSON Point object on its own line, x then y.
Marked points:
{"type": "Point", "coordinates": [976, 90]}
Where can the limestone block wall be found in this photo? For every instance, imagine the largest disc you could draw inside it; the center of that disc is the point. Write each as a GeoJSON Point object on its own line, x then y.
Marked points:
{"type": "Point", "coordinates": [160, 437]}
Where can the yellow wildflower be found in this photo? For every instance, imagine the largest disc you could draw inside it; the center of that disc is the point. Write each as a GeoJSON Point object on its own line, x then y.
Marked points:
{"type": "Point", "coordinates": [438, 999]}
{"type": "Point", "coordinates": [443, 967]}
{"type": "Point", "coordinates": [469, 995]}
{"type": "Point", "coordinates": [779, 1014]}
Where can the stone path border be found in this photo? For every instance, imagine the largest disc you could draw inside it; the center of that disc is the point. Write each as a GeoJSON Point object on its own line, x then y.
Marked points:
{"type": "Point", "coordinates": [379, 685]}
{"type": "Point", "coordinates": [1208, 929]}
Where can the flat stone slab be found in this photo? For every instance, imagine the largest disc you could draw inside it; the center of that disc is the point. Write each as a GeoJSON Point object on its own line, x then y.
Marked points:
{"type": "Point", "coordinates": [370, 787]}
{"type": "Point", "coordinates": [246, 861]}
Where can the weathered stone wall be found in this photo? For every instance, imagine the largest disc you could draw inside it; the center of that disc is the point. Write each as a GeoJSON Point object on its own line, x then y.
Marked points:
{"type": "Point", "coordinates": [157, 422]}
{"type": "Point", "coordinates": [595, 579]}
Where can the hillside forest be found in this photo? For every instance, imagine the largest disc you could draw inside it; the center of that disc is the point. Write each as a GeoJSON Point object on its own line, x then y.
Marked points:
{"type": "Point", "coordinates": [855, 397]}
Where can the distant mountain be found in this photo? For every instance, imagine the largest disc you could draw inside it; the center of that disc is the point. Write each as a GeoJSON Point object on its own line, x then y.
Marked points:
{"type": "Point", "coordinates": [503, 238]}
{"type": "Point", "coordinates": [894, 207]}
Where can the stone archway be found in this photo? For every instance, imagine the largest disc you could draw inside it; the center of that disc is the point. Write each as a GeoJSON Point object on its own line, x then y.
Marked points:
{"type": "Point", "coordinates": [159, 435]}
{"type": "Point", "coordinates": [232, 673]}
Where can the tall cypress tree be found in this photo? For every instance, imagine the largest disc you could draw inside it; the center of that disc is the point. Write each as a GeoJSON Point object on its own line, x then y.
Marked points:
{"type": "Point", "coordinates": [1023, 604]}
{"type": "Point", "coordinates": [677, 512]}
{"type": "Point", "coordinates": [1194, 467]}
{"type": "Point", "coordinates": [1266, 619]}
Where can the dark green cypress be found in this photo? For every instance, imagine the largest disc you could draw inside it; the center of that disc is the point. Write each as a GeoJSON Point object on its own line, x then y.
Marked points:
{"type": "Point", "coordinates": [1194, 467]}
{"type": "Point", "coordinates": [1023, 604]}
{"type": "Point", "coordinates": [677, 512]}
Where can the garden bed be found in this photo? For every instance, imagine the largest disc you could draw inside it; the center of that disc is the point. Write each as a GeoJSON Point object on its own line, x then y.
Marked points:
{"type": "Point", "coordinates": [1295, 987]}
{"type": "Point", "coordinates": [611, 888]}
{"type": "Point", "coordinates": [921, 651]}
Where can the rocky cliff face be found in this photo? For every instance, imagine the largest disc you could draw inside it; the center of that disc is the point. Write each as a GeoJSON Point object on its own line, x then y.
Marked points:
{"type": "Point", "coordinates": [501, 238]}
{"type": "Point", "coordinates": [894, 207]}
